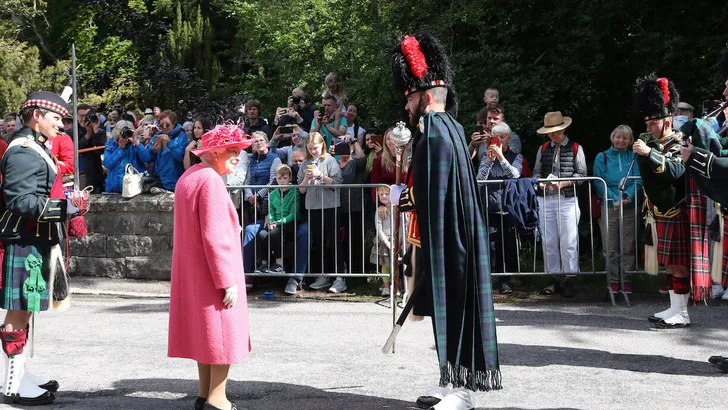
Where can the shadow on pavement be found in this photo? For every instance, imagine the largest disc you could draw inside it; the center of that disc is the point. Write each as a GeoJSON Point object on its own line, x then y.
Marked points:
{"type": "Point", "coordinates": [166, 394]}
{"type": "Point", "coordinates": [539, 356]}
{"type": "Point", "coordinates": [703, 317]}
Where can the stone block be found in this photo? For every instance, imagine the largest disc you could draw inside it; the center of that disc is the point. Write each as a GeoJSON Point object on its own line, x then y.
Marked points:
{"type": "Point", "coordinates": [120, 246]}
{"type": "Point", "coordinates": [98, 267]}
{"type": "Point", "coordinates": [140, 203]}
{"type": "Point", "coordinates": [149, 267]}
{"type": "Point", "coordinates": [92, 245]}
{"type": "Point", "coordinates": [110, 223]}
{"type": "Point", "coordinates": [153, 223]}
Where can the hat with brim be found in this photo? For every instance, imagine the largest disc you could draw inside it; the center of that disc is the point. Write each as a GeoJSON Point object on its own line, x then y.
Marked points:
{"type": "Point", "coordinates": [223, 137]}
{"type": "Point", "coordinates": [148, 111]}
{"type": "Point", "coordinates": [554, 121]}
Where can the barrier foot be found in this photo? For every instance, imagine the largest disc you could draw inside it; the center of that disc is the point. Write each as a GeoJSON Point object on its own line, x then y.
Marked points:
{"type": "Point", "coordinates": [611, 296]}
{"type": "Point", "coordinates": [626, 299]}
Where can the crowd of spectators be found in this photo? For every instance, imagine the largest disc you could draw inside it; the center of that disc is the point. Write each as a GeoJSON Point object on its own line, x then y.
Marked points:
{"type": "Point", "coordinates": [305, 226]}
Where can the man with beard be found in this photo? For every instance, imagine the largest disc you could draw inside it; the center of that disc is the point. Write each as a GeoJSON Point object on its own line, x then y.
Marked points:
{"type": "Point", "coordinates": [452, 287]}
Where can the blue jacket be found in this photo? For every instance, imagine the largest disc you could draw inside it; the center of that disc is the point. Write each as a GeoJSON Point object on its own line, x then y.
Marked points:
{"type": "Point", "coordinates": [519, 200]}
{"type": "Point", "coordinates": [168, 161]}
{"type": "Point", "coordinates": [116, 159]}
{"type": "Point", "coordinates": [613, 172]}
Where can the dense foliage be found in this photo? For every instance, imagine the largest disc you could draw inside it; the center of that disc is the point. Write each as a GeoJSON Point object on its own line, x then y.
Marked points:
{"type": "Point", "coordinates": [204, 55]}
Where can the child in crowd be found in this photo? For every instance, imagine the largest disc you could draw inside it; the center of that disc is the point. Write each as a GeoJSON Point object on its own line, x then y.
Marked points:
{"type": "Point", "coordinates": [381, 249]}
{"type": "Point", "coordinates": [335, 87]}
{"type": "Point", "coordinates": [280, 226]}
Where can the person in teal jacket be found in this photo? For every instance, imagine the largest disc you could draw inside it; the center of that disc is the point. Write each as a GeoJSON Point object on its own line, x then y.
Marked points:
{"type": "Point", "coordinates": [121, 151]}
{"type": "Point", "coordinates": [168, 150]}
{"type": "Point", "coordinates": [612, 166]}
{"type": "Point", "coordinates": [280, 230]}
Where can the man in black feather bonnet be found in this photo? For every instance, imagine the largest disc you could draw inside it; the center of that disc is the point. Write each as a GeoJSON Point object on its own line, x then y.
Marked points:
{"type": "Point", "coordinates": [452, 269]}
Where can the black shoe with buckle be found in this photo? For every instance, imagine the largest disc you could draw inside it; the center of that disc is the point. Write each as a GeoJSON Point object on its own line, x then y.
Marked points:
{"type": "Point", "coordinates": [427, 402]}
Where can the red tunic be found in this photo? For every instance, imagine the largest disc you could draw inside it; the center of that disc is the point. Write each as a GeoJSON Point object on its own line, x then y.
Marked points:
{"type": "Point", "coordinates": [413, 231]}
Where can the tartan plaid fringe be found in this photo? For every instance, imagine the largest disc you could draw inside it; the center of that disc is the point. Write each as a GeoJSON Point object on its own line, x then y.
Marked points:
{"type": "Point", "coordinates": [460, 376]}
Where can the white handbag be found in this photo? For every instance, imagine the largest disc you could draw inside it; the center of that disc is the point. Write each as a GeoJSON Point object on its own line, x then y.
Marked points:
{"type": "Point", "coordinates": [132, 183]}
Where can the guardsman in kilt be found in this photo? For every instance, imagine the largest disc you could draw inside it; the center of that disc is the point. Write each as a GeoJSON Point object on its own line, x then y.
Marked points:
{"type": "Point", "coordinates": [33, 275]}
{"type": "Point", "coordinates": [669, 198]}
{"type": "Point", "coordinates": [710, 171]}
{"type": "Point", "coordinates": [452, 260]}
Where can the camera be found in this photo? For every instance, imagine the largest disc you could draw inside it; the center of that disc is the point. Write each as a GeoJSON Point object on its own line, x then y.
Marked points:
{"type": "Point", "coordinates": [296, 100]}
{"type": "Point", "coordinates": [127, 132]}
{"type": "Point", "coordinates": [479, 128]}
{"type": "Point", "coordinates": [286, 129]}
{"type": "Point", "coordinates": [92, 117]}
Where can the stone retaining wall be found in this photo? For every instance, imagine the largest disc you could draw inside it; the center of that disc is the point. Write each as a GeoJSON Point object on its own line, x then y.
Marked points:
{"type": "Point", "coordinates": [128, 238]}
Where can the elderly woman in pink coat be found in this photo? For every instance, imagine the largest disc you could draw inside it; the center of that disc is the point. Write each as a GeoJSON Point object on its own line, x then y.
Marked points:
{"type": "Point", "coordinates": [208, 308]}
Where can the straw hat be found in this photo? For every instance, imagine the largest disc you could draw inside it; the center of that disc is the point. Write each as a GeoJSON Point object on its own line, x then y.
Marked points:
{"type": "Point", "coordinates": [554, 121]}
{"type": "Point", "coordinates": [223, 136]}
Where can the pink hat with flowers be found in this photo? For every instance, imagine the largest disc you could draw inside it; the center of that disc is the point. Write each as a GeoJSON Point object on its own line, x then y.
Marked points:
{"type": "Point", "coordinates": [223, 136]}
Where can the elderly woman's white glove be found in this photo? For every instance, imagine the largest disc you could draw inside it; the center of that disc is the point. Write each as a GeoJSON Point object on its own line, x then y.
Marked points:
{"type": "Point", "coordinates": [231, 296]}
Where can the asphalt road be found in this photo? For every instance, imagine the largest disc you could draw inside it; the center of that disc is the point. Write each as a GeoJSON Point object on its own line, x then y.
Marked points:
{"type": "Point", "coordinates": [109, 352]}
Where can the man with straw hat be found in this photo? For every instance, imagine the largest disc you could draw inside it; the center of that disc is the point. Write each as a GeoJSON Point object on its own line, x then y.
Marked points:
{"type": "Point", "coordinates": [452, 282]}
{"type": "Point", "coordinates": [557, 202]}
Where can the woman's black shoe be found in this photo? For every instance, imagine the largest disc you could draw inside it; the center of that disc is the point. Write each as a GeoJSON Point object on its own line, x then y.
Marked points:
{"type": "Point", "coordinates": [209, 406]}
{"type": "Point", "coordinates": [200, 403]}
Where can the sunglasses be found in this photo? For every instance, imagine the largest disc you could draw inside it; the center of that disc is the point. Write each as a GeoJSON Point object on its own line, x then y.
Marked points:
{"type": "Point", "coordinates": [165, 125]}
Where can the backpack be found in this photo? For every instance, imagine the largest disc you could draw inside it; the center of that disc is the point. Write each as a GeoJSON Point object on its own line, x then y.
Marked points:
{"type": "Point", "coordinates": [575, 148]}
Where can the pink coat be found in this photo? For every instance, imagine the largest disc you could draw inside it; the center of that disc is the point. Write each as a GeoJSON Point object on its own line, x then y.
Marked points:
{"type": "Point", "coordinates": [206, 259]}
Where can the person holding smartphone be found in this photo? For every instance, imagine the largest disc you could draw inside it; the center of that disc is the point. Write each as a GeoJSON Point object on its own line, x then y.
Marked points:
{"type": "Point", "coordinates": [500, 163]}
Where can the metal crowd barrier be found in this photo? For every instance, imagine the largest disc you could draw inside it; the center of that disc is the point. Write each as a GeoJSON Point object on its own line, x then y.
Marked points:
{"type": "Point", "coordinates": [544, 237]}
{"type": "Point", "coordinates": [237, 193]}
{"type": "Point", "coordinates": [637, 224]}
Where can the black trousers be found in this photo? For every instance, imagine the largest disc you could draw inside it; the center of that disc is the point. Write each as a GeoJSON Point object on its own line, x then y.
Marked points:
{"type": "Point", "coordinates": [504, 239]}
{"type": "Point", "coordinates": [276, 242]}
{"type": "Point", "coordinates": [353, 243]}
{"type": "Point", "coordinates": [323, 228]}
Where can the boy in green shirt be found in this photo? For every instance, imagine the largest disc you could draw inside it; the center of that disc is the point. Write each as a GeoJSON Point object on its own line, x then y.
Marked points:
{"type": "Point", "coordinates": [280, 224]}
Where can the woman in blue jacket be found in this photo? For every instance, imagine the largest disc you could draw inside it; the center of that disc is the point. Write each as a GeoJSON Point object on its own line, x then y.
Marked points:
{"type": "Point", "coordinates": [612, 165]}
{"type": "Point", "coordinates": [167, 147]}
{"type": "Point", "coordinates": [124, 148]}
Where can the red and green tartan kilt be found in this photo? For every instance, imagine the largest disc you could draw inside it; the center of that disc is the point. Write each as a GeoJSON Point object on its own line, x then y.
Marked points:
{"type": "Point", "coordinates": [673, 240]}
{"type": "Point", "coordinates": [15, 274]}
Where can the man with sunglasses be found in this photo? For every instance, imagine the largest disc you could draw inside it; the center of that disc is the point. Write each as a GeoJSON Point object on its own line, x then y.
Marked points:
{"type": "Point", "coordinates": [167, 147]}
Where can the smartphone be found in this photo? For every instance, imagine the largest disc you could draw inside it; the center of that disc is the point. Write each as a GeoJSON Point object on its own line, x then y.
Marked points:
{"type": "Point", "coordinates": [479, 128]}
{"type": "Point", "coordinates": [342, 148]}
{"type": "Point", "coordinates": [286, 129]}
{"type": "Point", "coordinates": [379, 139]}
{"type": "Point", "coordinates": [495, 141]}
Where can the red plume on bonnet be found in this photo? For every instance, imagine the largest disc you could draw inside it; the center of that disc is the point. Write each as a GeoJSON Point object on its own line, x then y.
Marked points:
{"type": "Point", "coordinates": [664, 87]}
{"type": "Point", "coordinates": [415, 58]}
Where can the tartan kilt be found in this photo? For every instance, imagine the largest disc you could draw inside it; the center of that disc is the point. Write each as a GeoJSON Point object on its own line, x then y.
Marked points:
{"type": "Point", "coordinates": [673, 240]}
{"type": "Point", "coordinates": [14, 275]}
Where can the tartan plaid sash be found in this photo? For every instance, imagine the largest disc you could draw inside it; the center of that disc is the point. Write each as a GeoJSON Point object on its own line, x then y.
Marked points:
{"type": "Point", "coordinates": [697, 207]}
